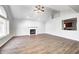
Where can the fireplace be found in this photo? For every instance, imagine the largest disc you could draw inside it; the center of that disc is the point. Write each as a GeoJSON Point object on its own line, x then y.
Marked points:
{"type": "Point", "coordinates": [70, 24]}
{"type": "Point", "coordinates": [32, 31]}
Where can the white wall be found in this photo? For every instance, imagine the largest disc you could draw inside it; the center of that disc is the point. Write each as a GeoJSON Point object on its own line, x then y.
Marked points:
{"type": "Point", "coordinates": [54, 26]}
{"type": "Point", "coordinates": [23, 27]}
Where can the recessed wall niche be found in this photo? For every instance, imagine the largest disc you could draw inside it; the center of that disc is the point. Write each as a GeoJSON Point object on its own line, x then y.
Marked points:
{"type": "Point", "coordinates": [69, 24]}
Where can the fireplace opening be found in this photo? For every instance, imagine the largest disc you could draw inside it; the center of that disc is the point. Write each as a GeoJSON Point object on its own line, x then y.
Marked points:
{"type": "Point", "coordinates": [32, 31]}
{"type": "Point", "coordinates": [70, 24]}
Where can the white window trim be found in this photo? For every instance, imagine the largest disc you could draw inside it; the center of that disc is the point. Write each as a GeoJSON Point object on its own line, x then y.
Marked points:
{"type": "Point", "coordinates": [6, 23]}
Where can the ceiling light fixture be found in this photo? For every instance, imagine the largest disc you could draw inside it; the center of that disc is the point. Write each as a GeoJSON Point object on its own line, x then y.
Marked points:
{"type": "Point", "coordinates": [39, 9]}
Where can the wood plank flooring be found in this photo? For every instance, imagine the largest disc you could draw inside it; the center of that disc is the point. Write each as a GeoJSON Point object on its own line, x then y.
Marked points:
{"type": "Point", "coordinates": [40, 44]}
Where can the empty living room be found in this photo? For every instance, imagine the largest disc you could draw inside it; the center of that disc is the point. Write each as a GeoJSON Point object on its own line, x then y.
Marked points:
{"type": "Point", "coordinates": [39, 29]}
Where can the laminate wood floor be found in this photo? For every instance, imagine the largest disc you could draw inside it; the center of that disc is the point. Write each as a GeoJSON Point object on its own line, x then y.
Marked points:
{"type": "Point", "coordinates": [40, 44]}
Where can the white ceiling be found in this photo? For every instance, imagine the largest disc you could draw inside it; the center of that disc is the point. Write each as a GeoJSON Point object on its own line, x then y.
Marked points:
{"type": "Point", "coordinates": [26, 11]}
{"type": "Point", "coordinates": [75, 7]}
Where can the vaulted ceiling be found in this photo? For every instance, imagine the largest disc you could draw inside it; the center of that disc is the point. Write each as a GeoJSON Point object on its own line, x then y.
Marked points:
{"type": "Point", "coordinates": [27, 11]}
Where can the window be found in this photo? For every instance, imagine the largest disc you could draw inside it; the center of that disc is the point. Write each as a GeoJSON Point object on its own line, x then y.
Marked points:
{"type": "Point", "coordinates": [3, 12]}
{"type": "Point", "coordinates": [4, 23]}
